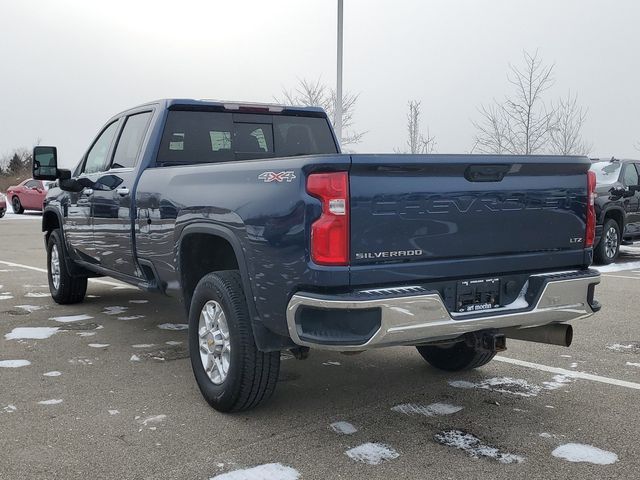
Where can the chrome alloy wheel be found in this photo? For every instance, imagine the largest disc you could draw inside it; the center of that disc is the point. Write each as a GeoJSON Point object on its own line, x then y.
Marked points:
{"type": "Point", "coordinates": [54, 267]}
{"type": "Point", "coordinates": [611, 242]}
{"type": "Point", "coordinates": [213, 338]}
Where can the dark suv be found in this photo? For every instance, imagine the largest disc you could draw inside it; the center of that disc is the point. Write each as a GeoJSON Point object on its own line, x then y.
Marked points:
{"type": "Point", "coordinates": [617, 206]}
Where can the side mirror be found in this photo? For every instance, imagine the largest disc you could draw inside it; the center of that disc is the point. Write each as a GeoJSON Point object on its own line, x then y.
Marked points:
{"type": "Point", "coordinates": [45, 163]}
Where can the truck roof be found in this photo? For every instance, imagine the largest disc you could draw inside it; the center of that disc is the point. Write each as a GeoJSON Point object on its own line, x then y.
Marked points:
{"type": "Point", "coordinates": [230, 105]}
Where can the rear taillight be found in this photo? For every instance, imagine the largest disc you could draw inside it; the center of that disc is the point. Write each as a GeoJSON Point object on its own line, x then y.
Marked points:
{"type": "Point", "coordinates": [330, 233]}
{"type": "Point", "coordinates": [590, 234]}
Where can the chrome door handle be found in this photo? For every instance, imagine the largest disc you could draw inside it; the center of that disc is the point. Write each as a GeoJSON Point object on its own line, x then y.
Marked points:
{"type": "Point", "coordinates": [87, 191]}
{"type": "Point", "coordinates": [122, 191]}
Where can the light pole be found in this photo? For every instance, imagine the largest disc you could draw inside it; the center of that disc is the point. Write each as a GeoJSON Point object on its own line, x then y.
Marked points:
{"type": "Point", "coordinates": [338, 105]}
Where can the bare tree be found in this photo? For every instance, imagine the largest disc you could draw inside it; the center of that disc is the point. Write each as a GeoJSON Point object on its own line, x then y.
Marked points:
{"type": "Point", "coordinates": [522, 123]}
{"type": "Point", "coordinates": [566, 136]}
{"type": "Point", "coordinates": [316, 94]}
{"type": "Point", "coordinates": [416, 141]}
{"type": "Point", "coordinates": [491, 136]}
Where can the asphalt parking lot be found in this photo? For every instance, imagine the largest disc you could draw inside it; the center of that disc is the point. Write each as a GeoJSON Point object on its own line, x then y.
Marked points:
{"type": "Point", "coordinates": [107, 392]}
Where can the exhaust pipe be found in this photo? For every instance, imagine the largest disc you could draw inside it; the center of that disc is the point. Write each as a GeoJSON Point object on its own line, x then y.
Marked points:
{"type": "Point", "coordinates": [553, 334]}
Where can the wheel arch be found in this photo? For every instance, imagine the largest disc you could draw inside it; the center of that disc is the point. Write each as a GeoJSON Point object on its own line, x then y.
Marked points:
{"type": "Point", "coordinates": [616, 214]}
{"type": "Point", "coordinates": [196, 233]}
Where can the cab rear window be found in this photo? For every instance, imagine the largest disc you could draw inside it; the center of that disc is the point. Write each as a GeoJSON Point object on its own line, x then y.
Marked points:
{"type": "Point", "coordinates": [192, 137]}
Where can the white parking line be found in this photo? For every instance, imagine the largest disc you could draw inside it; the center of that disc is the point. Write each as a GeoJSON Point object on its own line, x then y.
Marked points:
{"type": "Point", "coordinates": [569, 373]}
{"type": "Point", "coordinates": [44, 270]}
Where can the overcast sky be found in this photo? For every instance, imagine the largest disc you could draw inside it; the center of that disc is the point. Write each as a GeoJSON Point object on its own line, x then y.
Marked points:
{"type": "Point", "coordinates": [68, 65]}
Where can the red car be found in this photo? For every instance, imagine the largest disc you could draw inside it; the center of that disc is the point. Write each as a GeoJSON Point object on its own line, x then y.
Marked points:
{"type": "Point", "coordinates": [3, 205]}
{"type": "Point", "coordinates": [29, 195]}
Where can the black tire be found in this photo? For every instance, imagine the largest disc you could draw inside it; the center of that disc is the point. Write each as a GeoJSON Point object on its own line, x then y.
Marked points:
{"type": "Point", "coordinates": [608, 247]}
{"type": "Point", "coordinates": [456, 357]}
{"type": "Point", "coordinates": [17, 206]}
{"type": "Point", "coordinates": [70, 289]}
{"type": "Point", "coordinates": [252, 375]}
{"type": "Point", "coordinates": [2, 213]}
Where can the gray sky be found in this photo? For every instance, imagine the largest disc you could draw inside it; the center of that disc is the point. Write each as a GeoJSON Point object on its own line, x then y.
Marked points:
{"type": "Point", "coordinates": [68, 65]}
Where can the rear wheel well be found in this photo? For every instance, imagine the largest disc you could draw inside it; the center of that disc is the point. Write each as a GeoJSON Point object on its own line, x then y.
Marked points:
{"type": "Point", "coordinates": [200, 254]}
{"type": "Point", "coordinates": [618, 217]}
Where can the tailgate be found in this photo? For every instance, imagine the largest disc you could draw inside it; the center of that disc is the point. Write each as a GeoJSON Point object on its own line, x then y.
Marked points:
{"type": "Point", "coordinates": [455, 209]}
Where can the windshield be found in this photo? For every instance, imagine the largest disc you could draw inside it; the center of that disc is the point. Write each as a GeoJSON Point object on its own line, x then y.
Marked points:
{"type": "Point", "coordinates": [606, 172]}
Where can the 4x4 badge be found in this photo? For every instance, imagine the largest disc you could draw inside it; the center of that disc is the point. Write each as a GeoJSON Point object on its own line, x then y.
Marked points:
{"type": "Point", "coordinates": [279, 177]}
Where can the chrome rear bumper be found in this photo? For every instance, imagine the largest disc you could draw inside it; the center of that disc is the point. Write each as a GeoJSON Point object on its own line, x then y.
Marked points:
{"type": "Point", "coordinates": [413, 315]}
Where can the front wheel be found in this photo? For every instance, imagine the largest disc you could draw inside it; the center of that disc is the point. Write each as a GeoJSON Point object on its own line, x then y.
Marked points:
{"type": "Point", "coordinates": [456, 357]}
{"type": "Point", "coordinates": [231, 372]}
{"type": "Point", "coordinates": [65, 289]}
{"type": "Point", "coordinates": [608, 247]}
{"type": "Point", "coordinates": [17, 206]}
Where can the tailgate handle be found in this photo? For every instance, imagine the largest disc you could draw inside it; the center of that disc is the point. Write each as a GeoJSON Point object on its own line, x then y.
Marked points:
{"type": "Point", "coordinates": [486, 173]}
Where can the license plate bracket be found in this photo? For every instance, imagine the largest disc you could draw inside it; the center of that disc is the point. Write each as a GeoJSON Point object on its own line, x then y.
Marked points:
{"type": "Point", "coordinates": [477, 295]}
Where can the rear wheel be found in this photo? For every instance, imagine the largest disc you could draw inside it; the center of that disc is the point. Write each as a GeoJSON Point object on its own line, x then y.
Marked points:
{"type": "Point", "coordinates": [17, 206]}
{"type": "Point", "coordinates": [455, 357]}
{"type": "Point", "coordinates": [608, 247]}
{"type": "Point", "coordinates": [231, 372]}
{"type": "Point", "coordinates": [65, 289]}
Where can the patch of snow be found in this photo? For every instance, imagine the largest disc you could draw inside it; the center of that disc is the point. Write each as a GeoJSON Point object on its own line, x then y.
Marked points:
{"type": "Point", "coordinates": [9, 408]}
{"type": "Point", "coordinates": [616, 267]}
{"type": "Point", "coordinates": [632, 347]}
{"type": "Point", "coordinates": [474, 446]}
{"type": "Point", "coordinates": [565, 356]}
{"type": "Point", "coordinates": [372, 453]}
{"type": "Point", "coordinates": [343, 428]}
{"type": "Point", "coordinates": [29, 308]}
{"type": "Point", "coordinates": [98, 345]}
{"type": "Point", "coordinates": [132, 317]}
{"type": "Point", "coordinates": [80, 361]}
{"type": "Point", "coordinates": [432, 410]}
{"type": "Point", "coordinates": [86, 334]}
{"type": "Point", "coordinates": [153, 420]}
{"type": "Point", "coordinates": [144, 345]}
{"type": "Point", "coordinates": [173, 342]}
{"type": "Point", "coordinates": [559, 381]}
{"type": "Point", "coordinates": [6, 297]}
{"type": "Point", "coordinates": [37, 295]}
{"type": "Point", "coordinates": [53, 373]}
{"type": "Point", "coordinates": [331, 363]}
{"type": "Point", "coordinates": [71, 318]}
{"type": "Point", "coordinates": [139, 301]}
{"type": "Point", "coordinates": [173, 326]}
{"type": "Point", "coordinates": [134, 358]}
{"type": "Point", "coordinates": [53, 401]}
{"type": "Point", "coordinates": [513, 386]}
{"type": "Point", "coordinates": [14, 363]}
{"type": "Point", "coordinates": [34, 333]}
{"type": "Point", "coordinates": [113, 412]}
{"type": "Point", "coordinates": [269, 471]}
{"type": "Point", "coordinates": [114, 310]}
{"type": "Point", "coordinates": [573, 365]}
{"type": "Point", "coordinates": [632, 364]}
{"type": "Point", "coordinates": [578, 452]}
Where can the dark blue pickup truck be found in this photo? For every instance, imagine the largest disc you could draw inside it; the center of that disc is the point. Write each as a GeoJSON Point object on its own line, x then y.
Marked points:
{"type": "Point", "coordinates": [274, 240]}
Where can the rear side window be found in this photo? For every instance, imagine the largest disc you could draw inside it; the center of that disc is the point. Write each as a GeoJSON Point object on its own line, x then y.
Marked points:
{"type": "Point", "coordinates": [131, 140]}
{"type": "Point", "coordinates": [192, 137]}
